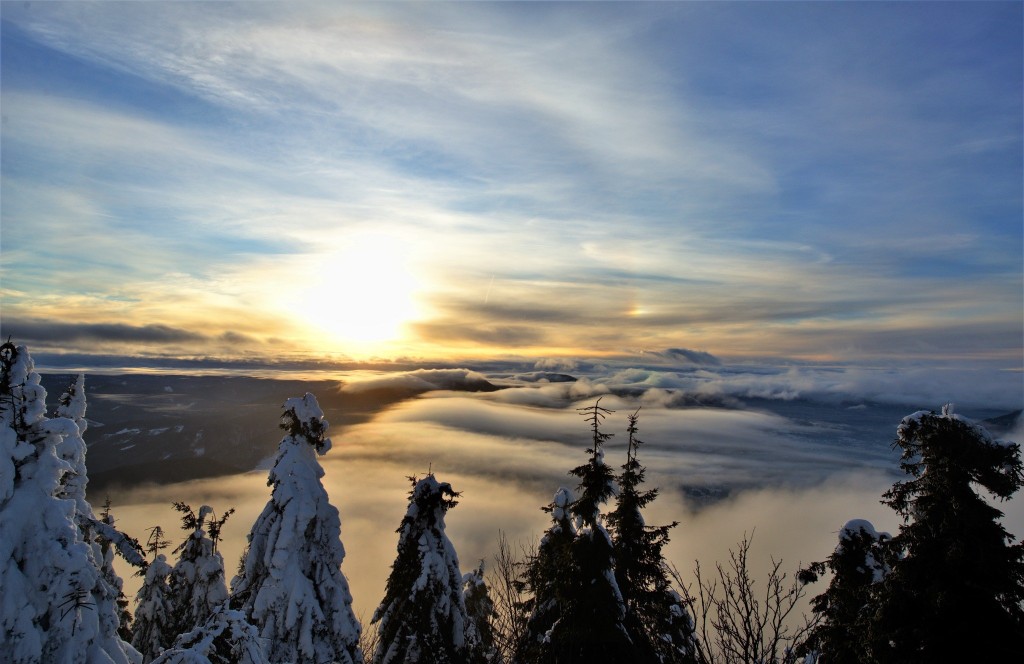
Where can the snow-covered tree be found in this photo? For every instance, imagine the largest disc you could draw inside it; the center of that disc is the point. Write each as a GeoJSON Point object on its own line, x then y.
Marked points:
{"type": "Point", "coordinates": [104, 547]}
{"type": "Point", "coordinates": [72, 449]}
{"type": "Point", "coordinates": [290, 584]}
{"type": "Point", "coordinates": [660, 626]}
{"type": "Point", "coordinates": [591, 627]}
{"type": "Point", "coordinates": [480, 616]}
{"type": "Point", "coordinates": [54, 604]}
{"type": "Point", "coordinates": [548, 578]}
{"type": "Point", "coordinates": [195, 585]}
{"type": "Point", "coordinates": [153, 612]}
{"type": "Point", "coordinates": [857, 565]}
{"type": "Point", "coordinates": [577, 610]}
{"type": "Point", "coordinates": [225, 638]}
{"type": "Point", "coordinates": [957, 591]}
{"type": "Point", "coordinates": [72, 405]}
{"type": "Point", "coordinates": [423, 616]}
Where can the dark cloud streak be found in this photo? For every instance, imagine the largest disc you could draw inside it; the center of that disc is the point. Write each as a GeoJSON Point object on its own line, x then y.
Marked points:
{"type": "Point", "coordinates": [450, 329]}
{"type": "Point", "coordinates": [49, 331]}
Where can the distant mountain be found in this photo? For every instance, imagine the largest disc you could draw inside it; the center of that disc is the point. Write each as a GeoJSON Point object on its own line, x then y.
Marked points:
{"type": "Point", "coordinates": [149, 428]}
{"type": "Point", "coordinates": [158, 428]}
{"type": "Point", "coordinates": [1003, 424]}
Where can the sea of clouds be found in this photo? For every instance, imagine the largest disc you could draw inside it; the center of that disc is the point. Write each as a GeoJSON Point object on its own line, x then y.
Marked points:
{"type": "Point", "coordinates": [786, 454]}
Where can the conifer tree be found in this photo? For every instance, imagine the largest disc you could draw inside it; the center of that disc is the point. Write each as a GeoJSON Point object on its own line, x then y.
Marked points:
{"type": "Point", "coordinates": [55, 605]}
{"type": "Point", "coordinates": [153, 619]}
{"type": "Point", "coordinates": [151, 622]}
{"type": "Point", "coordinates": [658, 621]}
{"type": "Point", "coordinates": [72, 449]}
{"type": "Point", "coordinates": [290, 584]}
{"type": "Point", "coordinates": [480, 615]}
{"type": "Point", "coordinates": [226, 637]}
{"type": "Point", "coordinates": [195, 586]}
{"type": "Point", "coordinates": [72, 405]}
{"type": "Point", "coordinates": [857, 565]}
{"type": "Point", "coordinates": [423, 615]}
{"type": "Point", "coordinates": [957, 591]}
{"type": "Point", "coordinates": [104, 548]}
{"type": "Point", "coordinates": [156, 543]}
{"type": "Point", "coordinates": [590, 624]}
{"type": "Point", "coordinates": [548, 578]}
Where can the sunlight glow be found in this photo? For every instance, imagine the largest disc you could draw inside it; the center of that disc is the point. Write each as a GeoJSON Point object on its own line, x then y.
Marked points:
{"type": "Point", "coordinates": [362, 294]}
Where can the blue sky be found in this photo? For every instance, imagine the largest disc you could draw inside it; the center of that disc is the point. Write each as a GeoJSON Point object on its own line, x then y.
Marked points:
{"type": "Point", "coordinates": [834, 182]}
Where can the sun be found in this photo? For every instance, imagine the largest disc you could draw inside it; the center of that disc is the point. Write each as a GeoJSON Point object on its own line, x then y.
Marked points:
{"type": "Point", "coordinates": [361, 294]}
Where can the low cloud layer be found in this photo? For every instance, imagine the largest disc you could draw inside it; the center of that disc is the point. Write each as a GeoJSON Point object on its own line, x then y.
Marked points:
{"type": "Point", "coordinates": [795, 525]}
{"type": "Point", "coordinates": [418, 381]}
{"type": "Point", "coordinates": [797, 453]}
{"type": "Point", "coordinates": [920, 386]}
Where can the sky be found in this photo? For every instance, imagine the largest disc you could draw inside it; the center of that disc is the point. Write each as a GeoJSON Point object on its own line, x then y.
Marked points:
{"type": "Point", "coordinates": [821, 182]}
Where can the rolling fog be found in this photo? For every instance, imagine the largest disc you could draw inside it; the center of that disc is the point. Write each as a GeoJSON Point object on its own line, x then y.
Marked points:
{"type": "Point", "coordinates": [788, 463]}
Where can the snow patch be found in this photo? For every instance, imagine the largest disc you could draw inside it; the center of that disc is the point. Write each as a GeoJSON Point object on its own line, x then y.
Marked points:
{"type": "Point", "coordinates": [855, 526]}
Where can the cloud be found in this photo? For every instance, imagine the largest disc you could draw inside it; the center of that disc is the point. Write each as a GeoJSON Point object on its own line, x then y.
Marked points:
{"type": "Point", "coordinates": [985, 386]}
{"type": "Point", "coordinates": [692, 447]}
{"type": "Point", "coordinates": [913, 386]}
{"type": "Point", "coordinates": [556, 364]}
{"type": "Point", "coordinates": [48, 332]}
{"type": "Point", "coordinates": [482, 333]}
{"type": "Point", "coordinates": [685, 355]}
{"type": "Point", "coordinates": [532, 155]}
{"type": "Point", "coordinates": [791, 480]}
{"type": "Point", "coordinates": [127, 341]}
{"type": "Point", "coordinates": [603, 104]}
{"type": "Point", "coordinates": [797, 525]}
{"type": "Point", "coordinates": [420, 380]}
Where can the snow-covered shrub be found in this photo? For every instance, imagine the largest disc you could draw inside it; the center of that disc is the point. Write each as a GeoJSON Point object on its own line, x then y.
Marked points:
{"type": "Point", "coordinates": [225, 638]}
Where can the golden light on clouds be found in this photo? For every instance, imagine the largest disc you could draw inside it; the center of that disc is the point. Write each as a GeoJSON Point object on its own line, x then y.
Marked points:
{"type": "Point", "coordinates": [363, 180]}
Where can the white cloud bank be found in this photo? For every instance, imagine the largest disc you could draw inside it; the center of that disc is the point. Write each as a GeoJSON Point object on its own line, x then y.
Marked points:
{"type": "Point", "coordinates": [782, 478]}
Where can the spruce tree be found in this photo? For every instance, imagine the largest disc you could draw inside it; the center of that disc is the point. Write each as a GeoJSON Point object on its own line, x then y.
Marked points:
{"type": "Point", "coordinates": [548, 579]}
{"type": "Point", "coordinates": [153, 619]}
{"type": "Point", "coordinates": [290, 584]}
{"type": "Point", "coordinates": [858, 565]}
{"type": "Point", "coordinates": [423, 615]}
{"type": "Point", "coordinates": [480, 614]}
{"type": "Point", "coordinates": [151, 622]}
{"type": "Point", "coordinates": [957, 591]}
{"type": "Point", "coordinates": [104, 548]}
{"type": "Point", "coordinates": [55, 604]}
{"type": "Point", "coordinates": [591, 625]}
{"type": "Point", "coordinates": [195, 586]}
{"type": "Point", "coordinates": [155, 542]}
{"type": "Point", "coordinates": [72, 405]}
{"type": "Point", "coordinates": [658, 621]}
